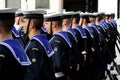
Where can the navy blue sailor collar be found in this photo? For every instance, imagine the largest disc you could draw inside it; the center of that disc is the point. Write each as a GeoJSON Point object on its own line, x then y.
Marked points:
{"type": "Point", "coordinates": [89, 30]}
{"type": "Point", "coordinates": [81, 31]}
{"type": "Point", "coordinates": [71, 31]}
{"type": "Point", "coordinates": [102, 26]}
{"type": "Point", "coordinates": [95, 27]}
{"type": "Point", "coordinates": [65, 37]}
{"type": "Point", "coordinates": [42, 39]}
{"type": "Point", "coordinates": [17, 50]}
{"type": "Point", "coordinates": [113, 22]}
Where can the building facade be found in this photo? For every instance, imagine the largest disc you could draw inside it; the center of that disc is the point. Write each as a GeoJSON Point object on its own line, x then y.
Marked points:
{"type": "Point", "coordinates": [111, 6]}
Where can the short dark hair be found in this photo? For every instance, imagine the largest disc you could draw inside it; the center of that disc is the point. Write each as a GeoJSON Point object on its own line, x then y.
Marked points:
{"type": "Point", "coordinates": [59, 23]}
{"type": "Point", "coordinates": [113, 15]}
{"type": "Point", "coordinates": [77, 19]}
{"type": "Point", "coordinates": [38, 23]}
{"type": "Point", "coordinates": [100, 17]}
{"type": "Point", "coordinates": [87, 19]}
{"type": "Point", "coordinates": [7, 25]}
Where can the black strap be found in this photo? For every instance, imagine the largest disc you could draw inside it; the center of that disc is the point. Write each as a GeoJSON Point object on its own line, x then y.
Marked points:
{"type": "Point", "coordinates": [18, 21]}
{"type": "Point", "coordinates": [28, 27]}
{"type": "Point", "coordinates": [26, 37]}
{"type": "Point", "coordinates": [51, 32]}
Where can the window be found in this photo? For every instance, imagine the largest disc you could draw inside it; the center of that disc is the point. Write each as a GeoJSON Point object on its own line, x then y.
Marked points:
{"type": "Point", "coordinates": [42, 4]}
{"type": "Point", "coordinates": [13, 3]}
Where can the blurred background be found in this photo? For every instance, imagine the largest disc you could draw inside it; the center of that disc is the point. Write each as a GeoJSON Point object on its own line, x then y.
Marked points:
{"type": "Point", "coordinates": [109, 6]}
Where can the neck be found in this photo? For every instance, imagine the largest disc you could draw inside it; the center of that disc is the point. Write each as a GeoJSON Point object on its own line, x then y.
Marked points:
{"type": "Point", "coordinates": [64, 28]}
{"type": "Point", "coordinates": [56, 30]}
{"type": "Point", "coordinates": [74, 25]}
{"type": "Point", "coordinates": [90, 24]}
{"type": "Point", "coordinates": [97, 22]}
{"type": "Point", "coordinates": [84, 25]}
{"type": "Point", "coordinates": [4, 37]}
{"type": "Point", "coordinates": [33, 33]}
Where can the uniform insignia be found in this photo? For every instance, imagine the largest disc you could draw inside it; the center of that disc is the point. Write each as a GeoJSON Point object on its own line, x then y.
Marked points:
{"type": "Point", "coordinates": [1, 55]}
{"type": "Point", "coordinates": [57, 41]}
{"type": "Point", "coordinates": [35, 49]}
{"type": "Point", "coordinates": [33, 59]}
{"type": "Point", "coordinates": [56, 49]}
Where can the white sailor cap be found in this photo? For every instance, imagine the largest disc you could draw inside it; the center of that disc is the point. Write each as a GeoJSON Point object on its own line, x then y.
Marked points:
{"type": "Point", "coordinates": [35, 14]}
{"type": "Point", "coordinates": [84, 15]}
{"type": "Point", "coordinates": [53, 17]}
{"type": "Point", "coordinates": [76, 14]}
{"type": "Point", "coordinates": [7, 13]}
{"type": "Point", "coordinates": [93, 15]}
{"type": "Point", "coordinates": [67, 15]}
{"type": "Point", "coordinates": [18, 13]}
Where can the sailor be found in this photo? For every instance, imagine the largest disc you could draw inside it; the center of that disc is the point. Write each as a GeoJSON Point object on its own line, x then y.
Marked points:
{"type": "Point", "coordinates": [98, 62]}
{"type": "Point", "coordinates": [95, 31]}
{"type": "Point", "coordinates": [13, 59]}
{"type": "Point", "coordinates": [38, 48]}
{"type": "Point", "coordinates": [67, 18]}
{"type": "Point", "coordinates": [81, 45]}
{"type": "Point", "coordinates": [18, 23]}
{"type": "Point", "coordinates": [90, 45]}
{"type": "Point", "coordinates": [61, 45]}
{"type": "Point", "coordinates": [17, 29]}
{"type": "Point", "coordinates": [18, 19]}
{"type": "Point", "coordinates": [104, 48]}
{"type": "Point", "coordinates": [112, 36]}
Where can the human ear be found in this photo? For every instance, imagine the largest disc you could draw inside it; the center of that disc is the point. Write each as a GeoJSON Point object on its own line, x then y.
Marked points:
{"type": "Point", "coordinates": [53, 24]}
{"type": "Point", "coordinates": [32, 25]}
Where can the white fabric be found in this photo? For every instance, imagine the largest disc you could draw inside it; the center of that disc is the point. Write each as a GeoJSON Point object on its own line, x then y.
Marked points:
{"type": "Point", "coordinates": [59, 74]}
